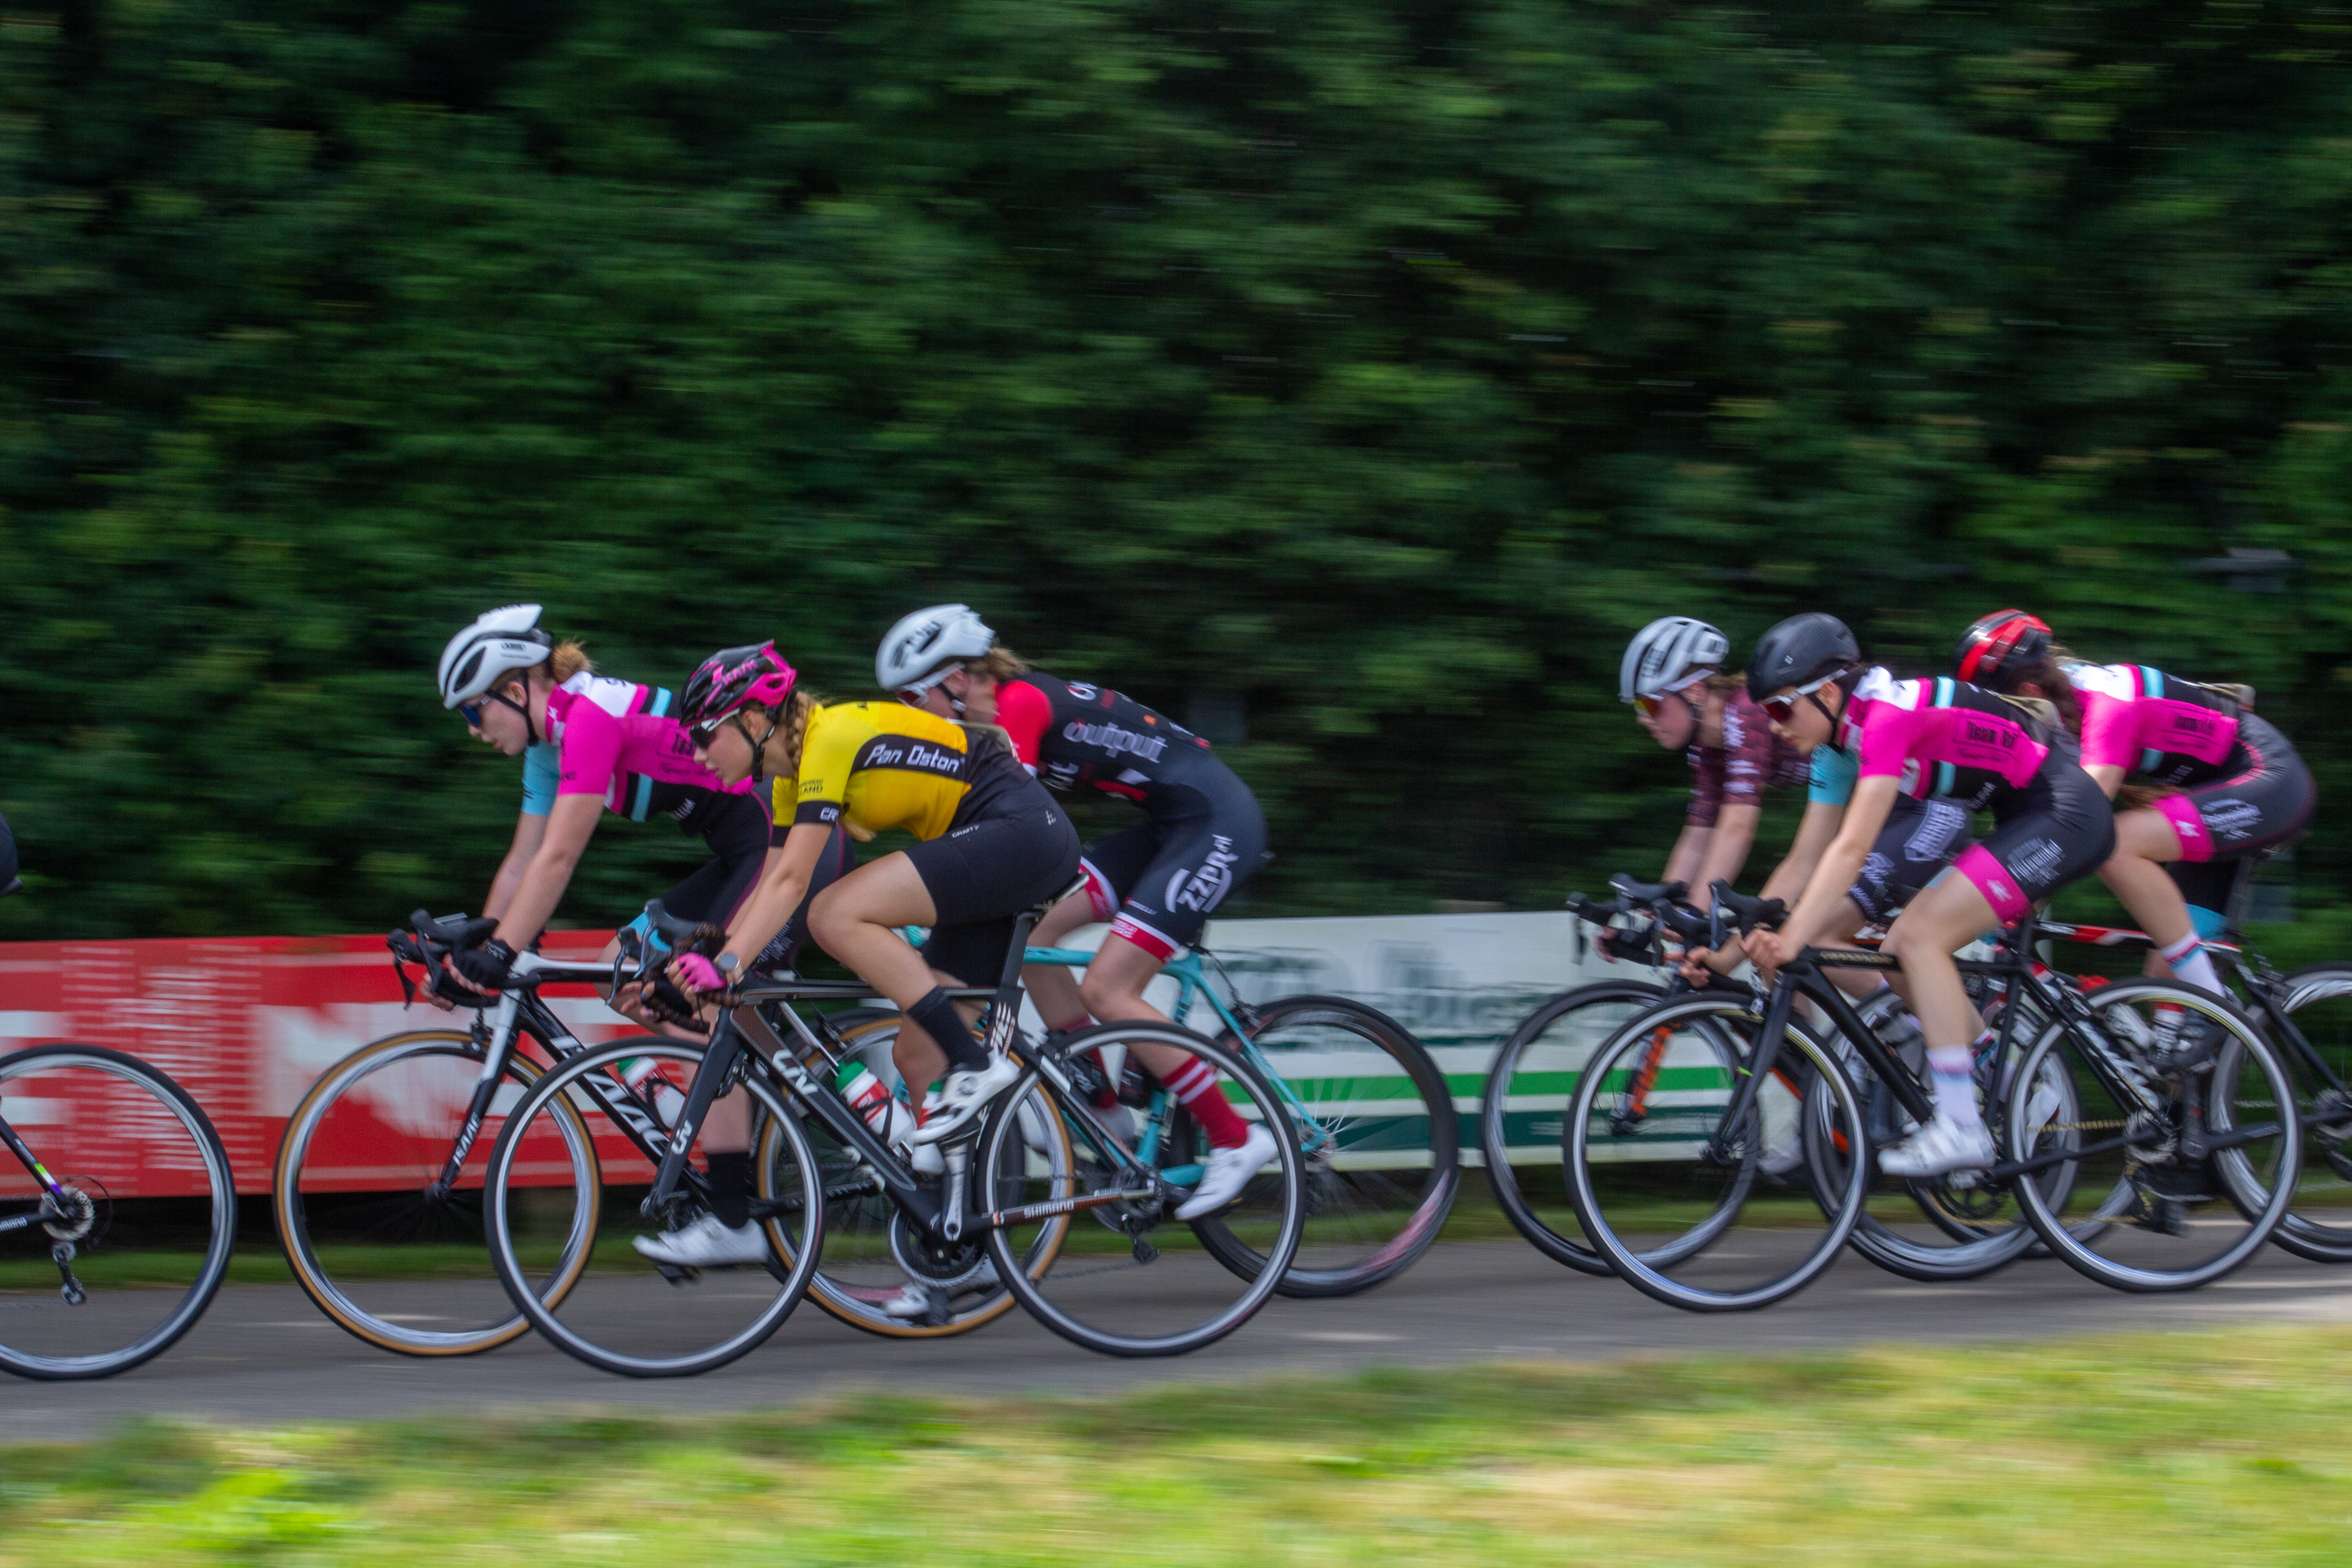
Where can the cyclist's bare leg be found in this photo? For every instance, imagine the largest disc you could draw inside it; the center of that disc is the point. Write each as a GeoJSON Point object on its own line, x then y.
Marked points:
{"type": "Point", "coordinates": [1113, 992]}
{"type": "Point", "coordinates": [2145, 844]}
{"type": "Point", "coordinates": [1054, 988]}
{"type": "Point", "coordinates": [1943, 919]}
{"type": "Point", "coordinates": [856, 920]}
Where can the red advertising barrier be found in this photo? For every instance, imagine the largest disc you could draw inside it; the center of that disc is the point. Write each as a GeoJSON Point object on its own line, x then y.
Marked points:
{"type": "Point", "coordinates": [245, 1024]}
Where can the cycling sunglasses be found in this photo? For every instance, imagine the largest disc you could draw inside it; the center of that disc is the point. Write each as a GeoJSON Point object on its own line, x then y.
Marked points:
{"type": "Point", "coordinates": [471, 712]}
{"type": "Point", "coordinates": [915, 695]}
{"type": "Point", "coordinates": [1780, 707]}
{"type": "Point", "coordinates": [1649, 707]}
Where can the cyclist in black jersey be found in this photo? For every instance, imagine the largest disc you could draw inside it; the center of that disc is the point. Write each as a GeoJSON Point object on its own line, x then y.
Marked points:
{"type": "Point", "coordinates": [1155, 882]}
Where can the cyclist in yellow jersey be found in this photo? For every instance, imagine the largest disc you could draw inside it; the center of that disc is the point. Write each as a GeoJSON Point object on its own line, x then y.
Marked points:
{"type": "Point", "coordinates": [990, 843]}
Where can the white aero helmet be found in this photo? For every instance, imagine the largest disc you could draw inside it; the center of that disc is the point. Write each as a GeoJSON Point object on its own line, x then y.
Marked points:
{"type": "Point", "coordinates": [1669, 652]}
{"type": "Point", "coordinates": [502, 640]}
{"type": "Point", "coordinates": [914, 654]}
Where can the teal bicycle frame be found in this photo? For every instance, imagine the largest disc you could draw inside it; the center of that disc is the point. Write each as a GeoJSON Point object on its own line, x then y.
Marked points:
{"type": "Point", "coordinates": [1192, 985]}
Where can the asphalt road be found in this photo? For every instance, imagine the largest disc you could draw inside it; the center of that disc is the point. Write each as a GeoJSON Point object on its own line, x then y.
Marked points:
{"type": "Point", "coordinates": [264, 1354]}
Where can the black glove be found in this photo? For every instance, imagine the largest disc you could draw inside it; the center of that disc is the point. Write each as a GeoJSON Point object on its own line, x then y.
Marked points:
{"type": "Point", "coordinates": [488, 966]}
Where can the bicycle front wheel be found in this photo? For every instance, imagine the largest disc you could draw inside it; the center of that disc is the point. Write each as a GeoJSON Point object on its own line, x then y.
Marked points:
{"type": "Point", "coordinates": [2318, 1001]}
{"type": "Point", "coordinates": [2174, 1173]}
{"type": "Point", "coordinates": [1132, 1280]}
{"type": "Point", "coordinates": [1377, 1137]}
{"type": "Point", "coordinates": [390, 1250]}
{"type": "Point", "coordinates": [628, 1314]}
{"type": "Point", "coordinates": [1524, 1114]}
{"type": "Point", "coordinates": [143, 1214]}
{"type": "Point", "coordinates": [1667, 1184]}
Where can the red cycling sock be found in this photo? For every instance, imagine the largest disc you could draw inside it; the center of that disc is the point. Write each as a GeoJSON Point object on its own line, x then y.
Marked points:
{"type": "Point", "coordinates": [1194, 1085]}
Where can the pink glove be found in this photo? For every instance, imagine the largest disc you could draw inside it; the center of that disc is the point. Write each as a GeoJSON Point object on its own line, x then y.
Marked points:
{"type": "Point", "coordinates": [697, 972]}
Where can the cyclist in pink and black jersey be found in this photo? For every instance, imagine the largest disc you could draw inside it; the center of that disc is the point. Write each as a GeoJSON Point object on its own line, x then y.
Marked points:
{"type": "Point", "coordinates": [2221, 783]}
{"type": "Point", "coordinates": [1673, 674]}
{"type": "Point", "coordinates": [1918, 740]}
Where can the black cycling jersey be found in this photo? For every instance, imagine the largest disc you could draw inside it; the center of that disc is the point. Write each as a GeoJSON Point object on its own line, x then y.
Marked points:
{"type": "Point", "coordinates": [1075, 736]}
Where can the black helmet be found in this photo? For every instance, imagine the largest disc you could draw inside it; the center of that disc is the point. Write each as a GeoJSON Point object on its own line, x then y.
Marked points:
{"type": "Point", "coordinates": [1999, 647]}
{"type": "Point", "coordinates": [1800, 649]}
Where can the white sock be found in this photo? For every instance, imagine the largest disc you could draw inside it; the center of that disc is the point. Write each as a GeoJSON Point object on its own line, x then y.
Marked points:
{"type": "Point", "coordinates": [1953, 1068]}
{"type": "Point", "coordinates": [2190, 964]}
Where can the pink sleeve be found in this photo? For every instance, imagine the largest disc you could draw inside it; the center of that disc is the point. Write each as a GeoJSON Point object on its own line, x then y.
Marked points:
{"type": "Point", "coordinates": [2110, 731]}
{"type": "Point", "coordinates": [1024, 711]}
{"type": "Point", "coordinates": [1890, 736]}
{"type": "Point", "coordinates": [591, 750]}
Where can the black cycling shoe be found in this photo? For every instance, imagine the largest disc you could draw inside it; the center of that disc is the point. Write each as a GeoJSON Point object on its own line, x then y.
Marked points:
{"type": "Point", "coordinates": [2194, 1045]}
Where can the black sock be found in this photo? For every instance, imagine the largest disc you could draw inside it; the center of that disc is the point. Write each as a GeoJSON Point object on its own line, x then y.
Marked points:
{"type": "Point", "coordinates": [730, 1188]}
{"type": "Point", "coordinates": [936, 1017]}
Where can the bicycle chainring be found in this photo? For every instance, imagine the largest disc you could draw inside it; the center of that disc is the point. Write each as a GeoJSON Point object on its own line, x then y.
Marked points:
{"type": "Point", "coordinates": [945, 1265]}
{"type": "Point", "coordinates": [77, 1212]}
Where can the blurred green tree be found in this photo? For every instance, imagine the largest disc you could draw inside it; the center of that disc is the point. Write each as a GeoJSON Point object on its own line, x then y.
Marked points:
{"type": "Point", "coordinates": [1365, 372]}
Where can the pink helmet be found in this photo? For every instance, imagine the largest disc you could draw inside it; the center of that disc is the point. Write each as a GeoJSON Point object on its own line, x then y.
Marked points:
{"type": "Point", "coordinates": [734, 678]}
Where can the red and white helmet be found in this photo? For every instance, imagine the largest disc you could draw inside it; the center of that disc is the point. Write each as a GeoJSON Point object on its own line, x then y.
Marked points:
{"type": "Point", "coordinates": [1997, 647]}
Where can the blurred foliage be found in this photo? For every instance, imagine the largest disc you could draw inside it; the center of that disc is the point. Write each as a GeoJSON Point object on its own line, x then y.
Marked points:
{"type": "Point", "coordinates": [1382, 365]}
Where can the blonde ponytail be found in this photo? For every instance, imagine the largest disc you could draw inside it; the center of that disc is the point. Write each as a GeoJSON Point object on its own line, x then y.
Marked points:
{"type": "Point", "coordinates": [568, 659]}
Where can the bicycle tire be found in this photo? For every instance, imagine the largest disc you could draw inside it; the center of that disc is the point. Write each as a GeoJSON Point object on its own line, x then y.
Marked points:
{"type": "Point", "coordinates": [860, 1306]}
{"type": "Point", "coordinates": [222, 1239]}
{"type": "Point", "coordinates": [2264, 1207]}
{"type": "Point", "coordinates": [1644, 1270]}
{"type": "Point", "coordinates": [2328, 1135]}
{"type": "Point", "coordinates": [291, 1211]}
{"type": "Point", "coordinates": [1258, 1286]}
{"type": "Point", "coordinates": [1499, 1103]}
{"type": "Point", "coordinates": [500, 1211]}
{"type": "Point", "coordinates": [1329, 1189]}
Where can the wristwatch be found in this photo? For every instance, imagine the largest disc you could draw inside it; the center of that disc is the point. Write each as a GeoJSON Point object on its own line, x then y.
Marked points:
{"type": "Point", "coordinates": [726, 964]}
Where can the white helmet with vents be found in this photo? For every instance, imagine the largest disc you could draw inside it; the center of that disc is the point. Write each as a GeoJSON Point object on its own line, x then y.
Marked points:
{"type": "Point", "coordinates": [918, 652]}
{"type": "Point", "coordinates": [1670, 652]}
{"type": "Point", "coordinates": [503, 639]}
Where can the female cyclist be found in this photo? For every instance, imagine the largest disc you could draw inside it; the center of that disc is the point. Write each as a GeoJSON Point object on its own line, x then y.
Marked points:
{"type": "Point", "coordinates": [1155, 882]}
{"type": "Point", "coordinates": [2223, 783]}
{"type": "Point", "coordinates": [1672, 674]}
{"type": "Point", "coordinates": [1916, 738]}
{"type": "Point", "coordinates": [591, 744]}
{"type": "Point", "coordinates": [989, 844]}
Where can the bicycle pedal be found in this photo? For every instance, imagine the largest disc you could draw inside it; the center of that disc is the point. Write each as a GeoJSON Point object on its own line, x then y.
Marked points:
{"type": "Point", "coordinates": [1144, 1251]}
{"type": "Point", "coordinates": [677, 1274]}
{"type": "Point", "coordinates": [2161, 1215]}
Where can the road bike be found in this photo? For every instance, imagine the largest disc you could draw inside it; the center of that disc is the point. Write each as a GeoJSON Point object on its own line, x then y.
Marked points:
{"type": "Point", "coordinates": [2143, 1163]}
{"type": "Point", "coordinates": [116, 1223]}
{"type": "Point", "coordinates": [1074, 1223]}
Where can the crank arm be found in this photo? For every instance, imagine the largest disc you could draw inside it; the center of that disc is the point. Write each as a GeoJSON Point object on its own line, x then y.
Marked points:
{"type": "Point", "coordinates": [62, 1255]}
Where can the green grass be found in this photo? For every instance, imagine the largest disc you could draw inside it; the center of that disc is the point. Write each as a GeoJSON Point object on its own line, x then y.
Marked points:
{"type": "Point", "coordinates": [2047, 1454]}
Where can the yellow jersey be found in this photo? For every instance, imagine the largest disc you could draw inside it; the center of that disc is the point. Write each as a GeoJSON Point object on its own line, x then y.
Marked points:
{"type": "Point", "coordinates": [879, 766]}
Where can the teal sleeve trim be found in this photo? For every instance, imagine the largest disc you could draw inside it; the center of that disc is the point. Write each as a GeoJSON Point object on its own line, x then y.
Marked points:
{"type": "Point", "coordinates": [542, 770]}
{"type": "Point", "coordinates": [1832, 777]}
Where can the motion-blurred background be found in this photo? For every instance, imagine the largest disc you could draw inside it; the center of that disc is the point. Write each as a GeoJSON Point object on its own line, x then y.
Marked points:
{"type": "Point", "coordinates": [1349, 379]}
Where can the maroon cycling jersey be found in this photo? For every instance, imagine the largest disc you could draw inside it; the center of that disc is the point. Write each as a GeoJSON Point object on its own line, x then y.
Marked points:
{"type": "Point", "coordinates": [1075, 736]}
{"type": "Point", "coordinates": [2143, 721]}
{"type": "Point", "coordinates": [1751, 761]}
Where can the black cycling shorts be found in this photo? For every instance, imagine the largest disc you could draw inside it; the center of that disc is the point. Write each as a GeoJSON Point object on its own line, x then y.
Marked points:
{"type": "Point", "coordinates": [2059, 831]}
{"type": "Point", "coordinates": [1919, 839]}
{"type": "Point", "coordinates": [714, 890]}
{"type": "Point", "coordinates": [2263, 799]}
{"type": "Point", "coordinates": [1157, 881]}
{"type": "Point", "coordinates": [981, 876]}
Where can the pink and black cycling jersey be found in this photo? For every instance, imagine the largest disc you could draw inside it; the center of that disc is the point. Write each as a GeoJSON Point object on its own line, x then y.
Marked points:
{"type": "Point", "coordinates": [616, 740]}
{"type": "Point", "coordinates": [1945, 740]}
{"type": "Point", "coordinates": [1751, 761]}
{"type": "Point", "coordinates": [2139, 720]}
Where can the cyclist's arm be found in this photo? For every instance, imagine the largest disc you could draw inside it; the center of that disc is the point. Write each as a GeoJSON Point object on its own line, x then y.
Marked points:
{"type": "Point", "coordinates": [531, 832]}
{"type": "Point", "coordinates": [1723, 853]}
{"type": "Point", "coordinates": [2107, 777]}
{"type": "Point", "coordinates": [783, 882]}
{"type": "Point", "coordinates": [566, 833]}
{"type": "Point", "coordinates": [1824, 899]}
{"type": "Point", "coordinates": [1689, 853]}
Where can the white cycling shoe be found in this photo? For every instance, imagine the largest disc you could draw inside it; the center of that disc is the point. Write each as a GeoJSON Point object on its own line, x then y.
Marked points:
{"type": "Point", "coordinates": [964, 1096]}
{"type": "Point", "coordinates": [706, 1244]}
{"type": "Point", "coordinates": [1785, 1155]}
{"type": "Point", "coordinates": [1229, 1172]}
{"type": "Point", "coordinates": [1941, 1147]}
{"type": "Point", "coordinates": [915, 1300]}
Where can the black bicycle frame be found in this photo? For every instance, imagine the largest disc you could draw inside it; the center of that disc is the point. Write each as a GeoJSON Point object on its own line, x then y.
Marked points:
{"type": "Point", "coordinates": [34, 1168]}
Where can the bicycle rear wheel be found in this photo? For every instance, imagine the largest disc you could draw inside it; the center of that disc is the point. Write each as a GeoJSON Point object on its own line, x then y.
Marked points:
{"type": "Point", "coordinates": [871, 1254]}
{"type": "Point", "coordinates": [146, 1219]}
{"type": "Point", "coordinates": [1131, 1279]}
{"type": "Point", "coordinates": [2176, 1192]}
{"type": "Point", "coordinates": [626, 1314]}
{"type": "Point", "coordinates": [375, 1238]}
{"type": "Point", "coordinates": [1377, 1131]}
{"type": "Point", "coordinates": [1668, 1190]}
{"type": "Point", "coordinates": [1525, 1110]}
